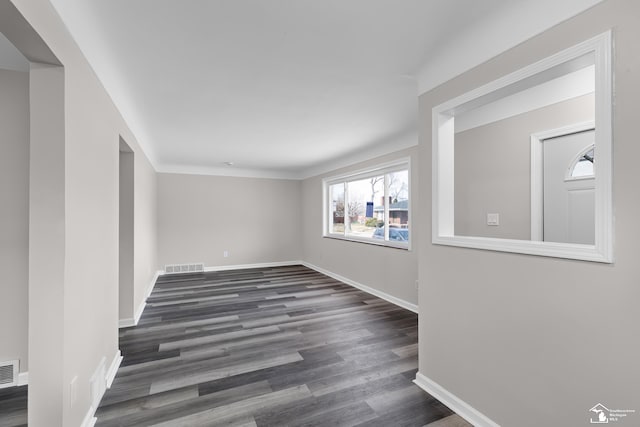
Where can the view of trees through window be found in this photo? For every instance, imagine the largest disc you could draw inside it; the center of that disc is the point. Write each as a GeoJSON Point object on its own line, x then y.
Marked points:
{"type": "Point", "coordinates": [375, 207]}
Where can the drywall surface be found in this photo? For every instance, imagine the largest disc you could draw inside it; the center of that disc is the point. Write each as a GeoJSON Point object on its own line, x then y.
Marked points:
{"type": "Point", "coordinates": [14, 216]}
{"type": "Point", "coordinates": [47, 241]}
{"type": "Point", "coordinates": [389, 270]}
{"type": "Point", "coordinates": [126, 235]}
{"type": "Point", "coordinates": [74, 325]}
{"type": "Point", "coordinates": [493, 168]}
{"type": "Point", "coordinates": [145, 228]}
{"type": "Point", "coordinates": [137, 229]}
{"type": "Point", "coordinates": [525, 338]}
{"type": "Point", "coordinates": [254, 220]}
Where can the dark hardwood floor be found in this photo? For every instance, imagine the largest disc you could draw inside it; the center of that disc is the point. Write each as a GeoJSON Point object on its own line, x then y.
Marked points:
{"type": "Point", "coordinates": [13, 406]}
{"type": "Point", "coordinates": [282, 346]}
{"type": "Point", "coordinates": [268, 347]}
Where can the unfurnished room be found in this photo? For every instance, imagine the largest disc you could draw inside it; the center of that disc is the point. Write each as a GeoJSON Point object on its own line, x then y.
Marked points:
{"type": "Point", "coordinates": [319, 213]}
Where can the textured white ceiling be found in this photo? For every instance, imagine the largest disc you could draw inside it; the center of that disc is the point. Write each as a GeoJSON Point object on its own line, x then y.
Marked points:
{"type": "Point", "coordinates": [284, 88]}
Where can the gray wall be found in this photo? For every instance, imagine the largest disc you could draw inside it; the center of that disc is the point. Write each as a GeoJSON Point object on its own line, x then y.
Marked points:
{"type": "Point", "coordinates": [390, 270]}
{"type": "Point", "coordinates": [126, 233]}
{"type": "Point", "coordinates": [525, 338]}
{"type": "Point", "coordinates": [14, 216]}
{"type": "Point", "coordinates": [200, 216]}
{"type": "Point", "coordinates": [493, 169]}
{"type": "Point", "coordinates": [137, 231]}
{"type": "Point", "coordinates": [47, 245]}
{"type": "Point", "coordinates": [73, 229]}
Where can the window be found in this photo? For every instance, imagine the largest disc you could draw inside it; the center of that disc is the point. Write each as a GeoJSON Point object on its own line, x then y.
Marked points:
{"type": "Point", "coordinates": [370, 206]}
{"type": "Point", "coordinates": [582, 166]}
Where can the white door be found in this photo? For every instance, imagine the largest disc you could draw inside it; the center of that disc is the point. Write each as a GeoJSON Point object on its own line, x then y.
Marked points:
{"type": "Point", "coordinates": [569, 201]}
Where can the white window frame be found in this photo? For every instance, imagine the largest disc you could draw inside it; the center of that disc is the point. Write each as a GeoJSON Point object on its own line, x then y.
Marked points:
{"type": "Point", "coordinates": [380, 169]}
{"type": "Point", "coordinates": [443, 117]}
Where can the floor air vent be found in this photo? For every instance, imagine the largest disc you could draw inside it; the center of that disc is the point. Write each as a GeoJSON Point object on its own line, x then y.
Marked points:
{"type": "Point", "coordinates": [184, 268]}
{"type": "Point", "coordinates": [8, 373]}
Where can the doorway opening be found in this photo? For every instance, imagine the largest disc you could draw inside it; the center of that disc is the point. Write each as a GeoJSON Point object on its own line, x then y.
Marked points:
{"type": "Point", "coordinates": [126, 235]}
{"type": "Point", "coordinates": [563, 185]}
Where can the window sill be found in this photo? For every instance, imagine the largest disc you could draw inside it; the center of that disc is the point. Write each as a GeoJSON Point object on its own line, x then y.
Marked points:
{"type": "Point", "coordinates": [374, 242]}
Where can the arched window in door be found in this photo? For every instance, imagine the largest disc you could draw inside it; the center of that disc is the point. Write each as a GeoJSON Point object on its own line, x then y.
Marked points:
{"type": "Point", "coordinates": [582, 166]}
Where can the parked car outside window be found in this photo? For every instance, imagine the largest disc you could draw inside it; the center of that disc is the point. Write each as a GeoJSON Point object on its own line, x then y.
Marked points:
{"type": "Point", "coordinates": [397, 234]}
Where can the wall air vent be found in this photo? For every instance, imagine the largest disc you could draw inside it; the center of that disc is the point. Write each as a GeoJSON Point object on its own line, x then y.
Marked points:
{"type": "Point", "coordinates": [9, 373]}
{"type": "Point", "coordinates": [184, 268]}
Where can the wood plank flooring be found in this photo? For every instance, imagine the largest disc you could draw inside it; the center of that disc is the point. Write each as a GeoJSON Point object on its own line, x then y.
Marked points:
{"type": "Point", "coordinates": [13, 406]}
{"type": "Point", "coordinates": [282, 346]}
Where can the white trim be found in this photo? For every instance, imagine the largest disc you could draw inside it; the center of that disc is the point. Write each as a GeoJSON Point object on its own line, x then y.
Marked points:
{"type": "Point", "coordinates": [600, 47]}
{"type": "Point", "coordinates": [89, 419]}
{"type": "Point", "coordinates": [23, 378]}
{"type": "Point", "coordinates": [550, 249]}
{"type": "Point", "coordinates": [372, 171]}
{"type": "Point", "coordinates": [128, 322]}
{"type": "Point", "coordinates": [390, 298]}
{"type": "Point", "coordinates": [257, 265]}
{"type": "Point", "coordinates": [385, 296]}
{"type": "Point", "coordinates": [227, 171]}
{"type": "Point", "coordinates": [236, 267]}
{"type": "Point", "coordinates": [109, 375]}
{"type": "Point", "coordinates": [387, 147]}
{"type": "Point", "coordinates": [151, 286]}
{"type": "Point", "coordinates": [564, 88]}
{"type": "Point", "coordinates": [371, 241]}
{"type": "Point", "coordinates": [537, 168]}
{"type": "Point", "coordinates": [396, 165]}
{"type": "Point", "coordinates": [453, 402]}
{"type": "Point", "coordinates": [113, 368]}
{"type": "Point", "coordinates": [143, 303]}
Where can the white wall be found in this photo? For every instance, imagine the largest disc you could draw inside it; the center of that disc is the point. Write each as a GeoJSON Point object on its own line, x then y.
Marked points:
{"type": "Point", "coordinates": [389, 270]}
{"type": "Point", "coordinates": [526, 338]}
{"type": "Point", "coordinates": [199, 217]}
{"type": "Point", "coordinates": [47, 230]}
{"type": "Point", "coordinates": [73, 324]}
{"type": "Point", "coordinates": [14, 216]}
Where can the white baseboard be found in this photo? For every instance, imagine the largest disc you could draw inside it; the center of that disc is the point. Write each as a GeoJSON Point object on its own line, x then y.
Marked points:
{"type": "Point", "coordinates": [385, 296]}
{"type": "Point", "coordinates": [258, 265]}
{"type": "Point", "coordinates": [113, 368]}
{"type": "Point", "coordinates": [237, 267]}
{"type": "Point", "coordinates": [149, 289]}
{"type": "Point", "coordinates": [105, 378]}
{"type": "Point", "coordinates": [459, 406]}
{"type": "Point", "coordinates": [133, 321]}
{"type": "Point", "coordinates": [126, 323]}
{"type": "Point", "coordinates": [143, 303]}
{"type": "Point", "coordinates": [23, 378]}
{"type": "Point", "coordinates": [89, 419]}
